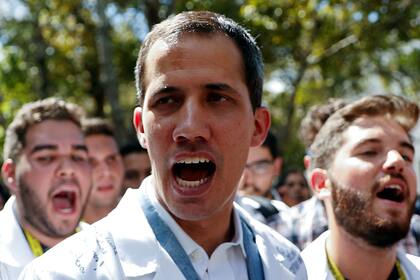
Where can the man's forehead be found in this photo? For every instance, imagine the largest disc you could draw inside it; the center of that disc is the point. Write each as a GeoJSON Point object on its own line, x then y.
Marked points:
{"type": "Point", "coordinates": [54, 132]}
{"type": "Point", "coordinates": [379, 129]}
{"type": "Point", "coordinates": [174, 40]}
{"type": "Point", "coordinates": [101, 146]}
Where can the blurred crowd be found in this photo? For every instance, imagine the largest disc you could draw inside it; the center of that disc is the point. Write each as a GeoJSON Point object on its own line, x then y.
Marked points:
{"type": "Point", "coordinates": [276, 195]}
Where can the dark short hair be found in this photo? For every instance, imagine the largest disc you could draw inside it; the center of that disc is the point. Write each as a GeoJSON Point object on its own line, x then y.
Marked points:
{"type": "Point", "coordinates": [330, 137]}
{"type": "Point", "coordinates": [270, 142]}
{"type": "Point", "coordinates": [290, 170]}
{"type": "Point", "coordinates": [202, 22]}
{"type": "Point", "coordinates": [34, 113]}
{"type": "Point", "coordinates": [315, 119]}
{"type": "Point", "coordinates": [132, 147]}
{"type": "Point", "coordinates": [97, 126]}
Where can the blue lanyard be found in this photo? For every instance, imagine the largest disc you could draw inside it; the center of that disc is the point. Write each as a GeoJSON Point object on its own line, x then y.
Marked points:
{"type": "Point", "coordinates": [172, 246]}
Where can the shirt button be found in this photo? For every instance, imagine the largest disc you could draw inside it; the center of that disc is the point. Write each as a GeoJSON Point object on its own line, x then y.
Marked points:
{"type": "Point", "coordinates": [195, 256]}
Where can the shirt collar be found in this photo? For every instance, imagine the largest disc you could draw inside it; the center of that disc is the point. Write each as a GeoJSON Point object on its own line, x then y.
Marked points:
{"type": "Point", "coordinates": [184, 239]}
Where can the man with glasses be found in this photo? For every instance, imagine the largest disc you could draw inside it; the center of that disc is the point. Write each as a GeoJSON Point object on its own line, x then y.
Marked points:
{"type": "Point", "coordinates": [256, 194]}
{"type": "Point", "coordinates": [262, 167]}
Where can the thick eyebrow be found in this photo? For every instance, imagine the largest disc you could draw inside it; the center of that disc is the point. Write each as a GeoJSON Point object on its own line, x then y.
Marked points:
{"type": "Point", "coordinates": [80, 147]}
{"type": "Point", "coordinates": [403, 144]}
{"type": "Point", "coordinates": [220, 87]}
{"type": "Point", "coordinates": [407, 145]}
{"type": "Point", "coordinates": [166, 89]}
{"type": "Point", "coordinates": [42, 147]}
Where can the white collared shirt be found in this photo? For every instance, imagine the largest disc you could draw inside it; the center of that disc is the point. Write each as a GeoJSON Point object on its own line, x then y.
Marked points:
{"type": "Point", "coordinates": [231, 253]}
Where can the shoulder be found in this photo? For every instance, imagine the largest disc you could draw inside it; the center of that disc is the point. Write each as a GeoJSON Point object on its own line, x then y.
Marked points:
{"type": "Point", "coordinates": [108, 249]}
{"type": "Point", "coordinates": [315, 258]}
{"type": "Point", "coordinates": [316, 247]}
{"type": "Point", "coordinates": [81, 255]}
{"type": "Point", "coordinates": [276, 247]}
{"type": "Point", "coordinates": [14, 250]}
{"type": "Point", "coordinates": [410, 264]}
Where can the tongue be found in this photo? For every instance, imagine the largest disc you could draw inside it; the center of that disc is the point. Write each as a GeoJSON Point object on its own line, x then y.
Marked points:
{"type": "Point", "coordinates": [192, 174]}
{"type": "Point", "coordinates": [62, 202]}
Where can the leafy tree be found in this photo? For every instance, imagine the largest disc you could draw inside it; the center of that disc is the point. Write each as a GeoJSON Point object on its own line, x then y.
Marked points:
{"type": "Point", "coordinates": [85, 51]}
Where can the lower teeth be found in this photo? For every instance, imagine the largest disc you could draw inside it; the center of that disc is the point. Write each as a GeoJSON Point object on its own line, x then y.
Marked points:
{"type": "Point", "coordinates": [66, 211]}
{"type": "Point", "coordinates": [191, 184]}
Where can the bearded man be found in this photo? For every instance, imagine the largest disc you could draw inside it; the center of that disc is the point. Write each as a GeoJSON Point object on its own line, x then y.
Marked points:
{"type": "Point", "coordinates": [362, 168]}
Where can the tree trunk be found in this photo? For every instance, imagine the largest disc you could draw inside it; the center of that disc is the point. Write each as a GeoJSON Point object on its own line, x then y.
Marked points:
{"type": "Point", "coordinates": [40, 54]}
{"type": "Point", "coordinates": [292, 102]}
{"type": "Point", "coordinates": [108, 77]}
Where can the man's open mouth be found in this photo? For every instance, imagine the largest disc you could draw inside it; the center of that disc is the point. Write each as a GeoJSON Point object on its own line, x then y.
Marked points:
{"type": "Point", "coordinates": [106, 187]}
{"type": "Point", "coordinates": [193, 172]}
{"type": "Point", "coordinates": [392, 192]}
{"type": "Point", "coordinates": [64, 201]}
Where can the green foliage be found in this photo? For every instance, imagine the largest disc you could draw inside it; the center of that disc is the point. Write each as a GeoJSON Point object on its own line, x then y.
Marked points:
{"type": "Point", "coordinates": [314, 49]}
{"type": "Point", "coordinates": [323, 49]}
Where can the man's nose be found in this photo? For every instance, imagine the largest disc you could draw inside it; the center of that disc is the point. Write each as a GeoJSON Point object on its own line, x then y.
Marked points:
{"type": "Point", "coordinates": [394, 162]}
{"type": "Point", "coordinates": [192, 123]}
{"type": "Point", "coordinates": [102, 168]}
{"type": "Point", "coordinates": [66, 167]}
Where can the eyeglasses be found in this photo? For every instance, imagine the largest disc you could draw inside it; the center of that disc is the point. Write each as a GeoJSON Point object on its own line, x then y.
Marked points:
{"type": "Point", "coordinates": [259, 167]}
{"type": "Point", "coordinates": [300, 184]}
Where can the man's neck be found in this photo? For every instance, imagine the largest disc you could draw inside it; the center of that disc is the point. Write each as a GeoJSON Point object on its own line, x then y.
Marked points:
{"type": "Point", "coordinates": [268, 195]}
{"type": "Point", "coordinates": [93, 214]}
{"type": "Point", "coordinates": [44, 239]}
{"type": "Point", "coordinates": [357, 259]}
{"type": "Point", "coordinates": [209, 233]}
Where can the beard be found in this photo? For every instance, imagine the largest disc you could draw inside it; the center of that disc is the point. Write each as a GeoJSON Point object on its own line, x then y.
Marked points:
{"type": "Point", "coordinates": [353, 211]}
{"type": "Point", "coordinates": [35, 213]}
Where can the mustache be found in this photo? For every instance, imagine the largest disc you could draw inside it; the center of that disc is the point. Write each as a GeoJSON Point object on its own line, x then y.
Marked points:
{"type": "Point", "coordinates": [396, 175]}
{"type": "Point", "coordinates": [70, 181]}
{"type": "Point", "coordinates": [388, 177]}
{"type": "Point", "coordinates": [188, 146]}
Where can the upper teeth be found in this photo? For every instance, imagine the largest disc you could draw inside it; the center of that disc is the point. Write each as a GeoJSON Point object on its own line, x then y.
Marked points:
{"type": "Point", "coordinates": [193, 160]}
{"type": "Point", "coordinates": [397, 187]}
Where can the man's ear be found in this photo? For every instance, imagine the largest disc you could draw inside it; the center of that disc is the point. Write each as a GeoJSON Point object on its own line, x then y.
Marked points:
{"type": "Point", "coordinates": [8, 172]}
{"type": "Point", "coordinates": [262, 120]}
{"type": "Point", "coordinates": [319, 181]}
{"type": "Point", "coordinates": [138, 125]}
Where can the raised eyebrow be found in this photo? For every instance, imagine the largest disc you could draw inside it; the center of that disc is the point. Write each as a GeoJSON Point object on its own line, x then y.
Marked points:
{"type": "Point", "coordinates": [42, 147]}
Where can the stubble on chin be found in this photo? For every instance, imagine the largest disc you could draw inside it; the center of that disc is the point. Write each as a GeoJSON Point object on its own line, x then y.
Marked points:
{"type": "Point", "coordinates": [34, 212]}
{"type": "Point", "coordinates": [353, 211]}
